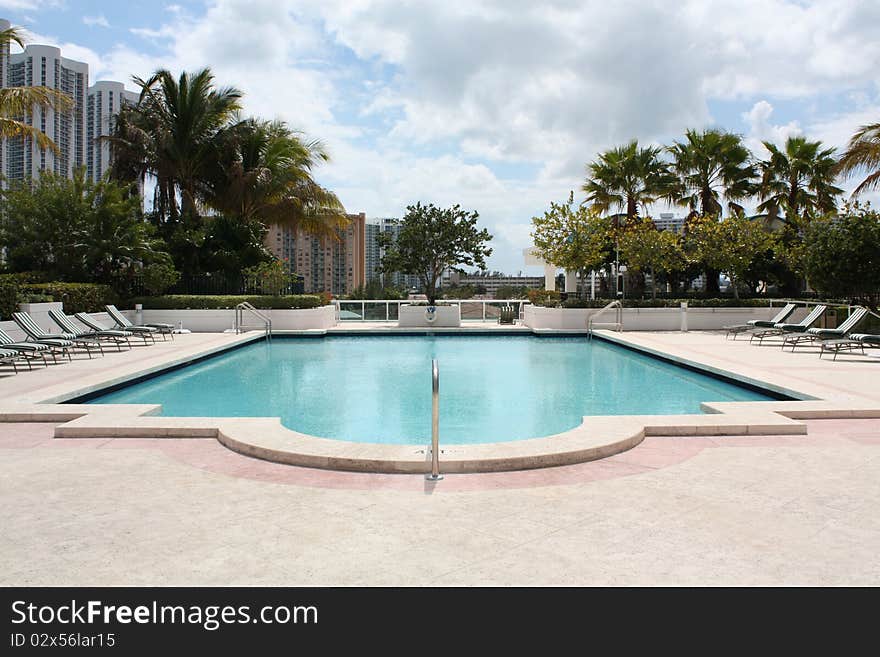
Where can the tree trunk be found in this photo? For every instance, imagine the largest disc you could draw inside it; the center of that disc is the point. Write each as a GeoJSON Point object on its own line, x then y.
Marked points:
{"type": "Point", "coordinates": [653, 284]}
{"type": "Point", "coordinates": [712, 287]}
{"type": "Point", "coordinates": [734, 286]}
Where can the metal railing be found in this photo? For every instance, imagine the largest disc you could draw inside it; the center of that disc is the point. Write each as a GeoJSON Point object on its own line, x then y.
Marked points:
{"type": "Point", "coordinates": [240, 326]}
{"type": "Point", "coordinates": [435, 423]}
{"type": "Point", "coordinates": [617, 324]}
{"type": "Point", "coordinates": [388, 310]}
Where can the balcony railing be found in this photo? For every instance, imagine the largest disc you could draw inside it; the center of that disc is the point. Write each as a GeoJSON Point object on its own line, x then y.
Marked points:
{"type": "Point", "coordinates": [388, 310]}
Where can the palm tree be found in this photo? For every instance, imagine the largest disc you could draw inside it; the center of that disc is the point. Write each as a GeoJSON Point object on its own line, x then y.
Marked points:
{"type": "Point", "coordinates": [711, 165]}
{"type": "Point", "coordinates": [16, 102]}
{"type": "Point", "coordinates": [863, 154]}
{"type": "Point", "coordinates": [798, 181]}
{"type": "Point", "coordinates": [263, 172]}
{"type": "Point", "coordinates": [627, 178]}
{"type": "Point", "coordinates": [170, 135]}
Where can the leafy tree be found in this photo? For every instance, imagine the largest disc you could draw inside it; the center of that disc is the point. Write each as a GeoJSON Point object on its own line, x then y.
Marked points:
{"type": "Point", "coordinates": [863, 155]}
{"type": "Point", "coordinates": [374, 290]}
{"type": "Point", "coordinates": [711, 165]}
{"type": "Point", "coordinates": [511, 292]}
{"type": "Point", "coordinates": [730, 245]}
{"type": "Point", "coordinates": [159, 276]}
{"type": "Point", "coordinates": [16, 102]}
{"type": "Point", "coordinates": [459, 292]}
{"type": "Point", "coordinates": [77, 230]}
{"type": "Point", "coordinates": [798, 181]}
{"type": "Point", "coordinates": [574, 238]}
{"type": "Point", "coordinates": [627, 178]}
{"type": "Point", "coordinates": [841, 255]}
{"type": "Point", "coordinates": [645, 248]}
{"type": "Point", "coordinates": [432, 240]}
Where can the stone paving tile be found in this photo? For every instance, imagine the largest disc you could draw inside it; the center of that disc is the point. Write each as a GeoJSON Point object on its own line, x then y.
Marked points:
{"type": "Point", "coordinates": [787, 510]}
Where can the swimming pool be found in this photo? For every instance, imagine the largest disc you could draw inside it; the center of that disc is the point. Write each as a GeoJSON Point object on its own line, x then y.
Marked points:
{"type": "Point", "coordinates": [378, 389]}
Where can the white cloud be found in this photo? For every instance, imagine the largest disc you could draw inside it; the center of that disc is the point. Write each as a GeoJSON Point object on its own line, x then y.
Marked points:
{"type": "Point", "coordinates": [431, 100]}
{"type": "Point", "coordinates": [761, 129]}
{"type": "Point", "coordinates": [96, 21]}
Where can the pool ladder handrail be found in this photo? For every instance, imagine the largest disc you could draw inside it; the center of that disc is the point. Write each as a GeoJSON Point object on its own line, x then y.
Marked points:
{"type": "Point", "coordinates": [617, 324]}
{"type": "Point", "coordinates": [239, 318]}
{"type": "Point", "coordinates": [435, 423]}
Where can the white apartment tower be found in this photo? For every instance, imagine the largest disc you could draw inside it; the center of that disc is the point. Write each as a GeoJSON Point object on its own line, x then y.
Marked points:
{"type": "Point", "coordinates": [44, 66]}
{"type": "Point", "coordinates": [105, 99]}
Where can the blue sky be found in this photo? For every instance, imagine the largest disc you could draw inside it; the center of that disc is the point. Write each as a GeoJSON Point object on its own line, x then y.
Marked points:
{"type": "Point", "coordinates": [496, 105]}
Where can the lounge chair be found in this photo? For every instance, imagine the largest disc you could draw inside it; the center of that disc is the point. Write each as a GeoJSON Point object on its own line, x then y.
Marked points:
{"type": "Point", "coordinates": [850, 343]}
{"type": "Point", "coordinates": [819, 334]}
{"type": "Point", "coordinates": [752, 324]}
{"type": "Point", "coordinates": [782, 329]}
{"type": "Point", "coordinates": [60, 344]}
{"type": "Point", "coordinates": [67, 325]}
{"type": "Point", "coordinates": [10, 356]}
{"type": "Point", "coordinates": [36, 333]}
{"type": "Point", "coordinates": [123, 323]}
{"type": "Point", "coordinates": [97, 327]}
{"type": "Point", "coordinates": [506, 315]}
{"type": "Point", "coordinates": [28, 350]}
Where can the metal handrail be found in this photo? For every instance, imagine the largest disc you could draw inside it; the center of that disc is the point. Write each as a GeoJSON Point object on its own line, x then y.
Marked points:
{"type": "Point", "coordinates": [618, 315]}
{"type": "Point", "coordinates": [435, 423]}
{"type": "Point", "coordinates": [239, 318]}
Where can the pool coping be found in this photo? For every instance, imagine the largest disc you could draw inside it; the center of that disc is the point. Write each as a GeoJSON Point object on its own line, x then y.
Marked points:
{"type": "Point", "coordinates": [266, 438]}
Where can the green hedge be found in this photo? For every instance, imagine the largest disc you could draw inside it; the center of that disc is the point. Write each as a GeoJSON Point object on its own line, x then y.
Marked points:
{"type": "Point", "coordinates": [9, 295]}
{"type": "Point", "coordinates": [76, 297]}
{"type": "Point", "coordinates": [205, 301]}
{"type": "Point", "coordinates": [670, 303]}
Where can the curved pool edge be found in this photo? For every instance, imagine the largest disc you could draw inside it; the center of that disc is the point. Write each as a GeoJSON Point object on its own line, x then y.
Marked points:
{"type": "Point", "coordinates": [293, 448]}
{"type": "Point", "coordinates": [595, 438]}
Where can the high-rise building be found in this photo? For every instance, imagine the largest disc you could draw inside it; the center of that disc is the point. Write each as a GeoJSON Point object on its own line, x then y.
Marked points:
{"type": "Point", "coordinates": [373, 258]}
{"type": "Point", "coordinates": [326, 265]}
{"type": "Point", "coordinates": [44, 66]}
{"type": "Point", "coordinates": [668, 221]}
{"type": "Point", "coordinates": [105, 99]}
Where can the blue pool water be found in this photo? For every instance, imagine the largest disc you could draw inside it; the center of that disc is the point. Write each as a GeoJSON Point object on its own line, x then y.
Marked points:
{"type": "Point", "coordinates": [375, 389]}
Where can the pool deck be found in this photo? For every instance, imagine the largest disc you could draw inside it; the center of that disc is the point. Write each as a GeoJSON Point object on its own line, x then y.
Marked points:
{"type": "Point", "coordinates": [694, 509]}
{"type": "Point", "coordinates": [840, 389]}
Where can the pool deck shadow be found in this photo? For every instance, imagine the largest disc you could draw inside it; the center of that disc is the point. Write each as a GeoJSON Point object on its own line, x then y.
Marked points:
{"type": "Point", "coordinates": [827, 390]}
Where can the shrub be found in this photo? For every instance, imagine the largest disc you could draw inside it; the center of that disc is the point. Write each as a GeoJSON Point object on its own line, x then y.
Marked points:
{"type": "Point", "coordinates": [549, 298]}
{"type": "Point", "coordinates": [159, 276]}
{"type": "Point", "coordinates": [9, 295]}
{"type": "Point", "coordinates": [208, 302]}
{"type": "Point", "coordinates": [669, 303]}
{"type": "Point", "coordinates": [76, 297]}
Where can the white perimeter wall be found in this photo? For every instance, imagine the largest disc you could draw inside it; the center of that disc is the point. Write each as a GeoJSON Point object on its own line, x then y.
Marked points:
{"type": "Point", "coordinates": [648, 319]}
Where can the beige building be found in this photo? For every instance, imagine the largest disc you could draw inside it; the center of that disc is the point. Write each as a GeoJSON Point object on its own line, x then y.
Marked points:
{"type": "Point", "coordinates": [335, 266]}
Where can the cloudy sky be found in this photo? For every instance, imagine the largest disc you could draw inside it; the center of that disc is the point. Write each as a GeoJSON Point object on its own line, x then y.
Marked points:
{"type": "Point", "coordinates": [496, 105]}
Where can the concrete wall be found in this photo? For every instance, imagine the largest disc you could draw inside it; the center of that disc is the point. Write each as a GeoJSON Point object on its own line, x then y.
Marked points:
{"type": "Point", "coordinates": [197, 321]}
{"type": "Point", "coordinates": [215, 321]}
{"type": "Point", "coordinates": [644, 319]}
{"type": "Point", "coordinates": [444, 316]}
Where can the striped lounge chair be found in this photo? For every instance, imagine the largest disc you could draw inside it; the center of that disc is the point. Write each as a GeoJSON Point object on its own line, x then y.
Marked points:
{"type": "Point", "coordinates": [753, 324]}
{"type": "Point", "coordinates": [150, 329]}
{"type": "Point", "coordinates": [59, 343]}
{"type": "Point", "coordinates": [782, 329]}
{"type": "Point", "coordinates": [819, 334]}
{"type": "Point", "coordinates": [70, 328]}
{"type": "Point", "coordinates": [25, 349]}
